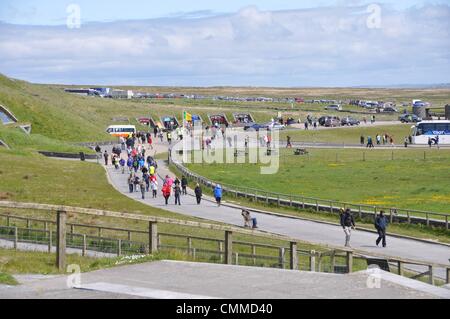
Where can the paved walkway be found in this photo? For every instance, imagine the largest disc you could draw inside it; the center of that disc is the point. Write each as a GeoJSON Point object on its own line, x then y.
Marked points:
{"type": "Point", "coordinates": [304, 230]}
{"type": "Point", "coordinates": [185, 280]}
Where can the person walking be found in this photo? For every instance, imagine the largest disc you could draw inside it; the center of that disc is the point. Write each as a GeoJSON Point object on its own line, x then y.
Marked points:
{"type": "Point", "coordinates": [289, 145]}
{"type": "Point", "coordinates": [143, 188]}
{"type": "Point", "coordinates": [218, 194]}
{"type": "Point", "coordinates": [381, 223]}
{"type": "Point", "coordinates": [131, 183]}
{"type": "Point", "coordinates": [405, 141]}
{"type": "Point", "coordinates": [369, 142]}
{"type": "Point", "coordinates": [177, 193]}
{"type": "Point", "coordinates": [122, 165]}
{"type": "Point", "coordinates": [184, 184]}
{"type": "Point", "coordinates": [198, 193]}
{"type": "Point", "coordinates": [154, 187]}
{"type": "Point", "coordinates": [347, 223]}
{"type": "Point", "coordinates": [166, 190]}
{"type": "Point", "coordinates": [106, 156]}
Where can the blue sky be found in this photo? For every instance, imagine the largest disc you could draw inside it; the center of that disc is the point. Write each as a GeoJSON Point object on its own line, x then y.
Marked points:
{"type": "Point", "coordinates": [50, 12]}
{"type": "Point", "coordinates": [206, 43]}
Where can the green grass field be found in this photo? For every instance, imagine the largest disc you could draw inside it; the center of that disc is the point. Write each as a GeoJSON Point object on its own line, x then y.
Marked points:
{"type": "Point", "coordinates": [408, 181]}
{"type": "Point", "coordinates": [347, 135]}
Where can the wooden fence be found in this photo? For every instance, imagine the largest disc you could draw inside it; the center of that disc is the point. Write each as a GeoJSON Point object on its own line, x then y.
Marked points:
{"type": "Point", "coordinates": [154, 242]}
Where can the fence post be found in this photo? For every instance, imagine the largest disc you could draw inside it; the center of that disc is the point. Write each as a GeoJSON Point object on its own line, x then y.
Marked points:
{"type": "Point", "coordinates": [50, 239]}
{"type": "Point", "coordinates": [312, 260]}
{"type": "Point", "coordinates": [72, 229]}
{"type": "Point", "coordinates": [152, 237]}
{"type": "Point", "coordinates": [332, 260]}
{"type": "Point", "coordinates": [349, 261]}
{"type": "Point", "coordinates": [319, 263]}
{"type": "Point", "coordinates": [189, 245]}
{"type": "Point", "coordinates": [293, 258]}
{"type": "Point", "coordinates": [16, 237]}
{"type": "Point", "coordinates": [428, 219]}
{"type": "Point", "coordinates": [129, 236]}
{"type": "Point", "coordinates": [228, 247]}
{"type": "Point", "coordinates": [8, 223]}
{"type": "Point", "coordinates": [237, 258]}
{"type": "Point", "coordinates": [446, 221]}
{"type": "Point", "coordinates": [400, 268]}
{"type": "Point", "coordinates": [119, 247]}
{"type": "Point", "coordinates": [45, 226]}
{"type": "Point", "coordinates": [221, 250]}
{"type": "Point", "coordinates": [28, 224]}
{"type": "Point", "coordinates": [253, 254]}
{"type": "Point", "coordinates": [359, 212]}
{"type": "Point", "coordinates": [281, 257]}
{"type": "Point", "coordinates": [61, 240]}
{"type": "Point", "coordinates": [317, 206]}
{"type": "Point", "coordinates": [430, 274]}
{"type": "Point", "coordinates": [83, 251]}
{"type": "Point", "coordinates": [278, 200]}
{"type": "Point", "coordinates": [409, 217]}
{"type": "Point", "coordinates": [99, 232]}
{"type": "Point", "coordinates": [447, 277]}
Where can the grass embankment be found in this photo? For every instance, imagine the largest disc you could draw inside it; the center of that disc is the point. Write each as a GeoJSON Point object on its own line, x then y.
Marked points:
{"type": "Point", "coordinates": [408, 181]}
{"type": "Point", "coordinates": [22, 142]}
{"type": "Point", "coordinates": [348, 135]}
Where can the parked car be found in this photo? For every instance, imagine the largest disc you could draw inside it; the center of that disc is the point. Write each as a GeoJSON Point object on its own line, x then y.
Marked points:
{"type": "Point", "coordinates": [275, 126]}
{"type": "Point", "coordinates": [332, 122]}
{"type": "Point", "coordinates": [256, 127]}
{"type": "Point", "coordinates": [325, 118]}
{"type": "Point", "coordinates": [350, 121]}
{"type": "Point", "coordinates": [335, 107]}
{"type": "Point", "coordinates": [409, 118]}
{"type": "Point", "coordinates": [388, 109]}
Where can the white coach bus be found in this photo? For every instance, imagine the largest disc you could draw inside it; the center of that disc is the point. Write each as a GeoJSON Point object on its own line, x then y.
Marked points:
{"type": "Point", "coordinates": [121, 130]}
{"type": "Point", "coordinates": [424, 130]}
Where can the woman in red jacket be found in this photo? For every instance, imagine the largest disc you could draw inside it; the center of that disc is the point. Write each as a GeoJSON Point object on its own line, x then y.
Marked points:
{"type": "Point", "coordinates": [166, 190]}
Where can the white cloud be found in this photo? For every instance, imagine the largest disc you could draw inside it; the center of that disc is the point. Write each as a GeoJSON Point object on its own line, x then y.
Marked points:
{"type": "Point", "coordinates": [324, 46]}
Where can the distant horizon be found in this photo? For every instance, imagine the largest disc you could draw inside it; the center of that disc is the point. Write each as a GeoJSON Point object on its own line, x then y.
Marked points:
{"type": "Point", "coordinates": [325, 44]}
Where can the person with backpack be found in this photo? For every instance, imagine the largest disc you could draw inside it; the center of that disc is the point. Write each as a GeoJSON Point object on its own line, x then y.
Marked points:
{"type": "Point", "coordinates": [198, 193]}
{"type": "Point", "coordinates": [136, 182]}
{"type": "Point", "coordinates": [177, 193]}
{"type": "Point", "coordinates": [122, 165]}
{"type": "Point", "coordinates": [154, 187]}
{"type": "Point", "coordinates": [184, 183]}
{"type": "Point", "coordinates": [166, 190]}
{"type": "Point", "coordinates": [347, 223]}
{"type": "Point", "coordinates": [218, 194]}
{"type": "Point", "coordinates": [381, 223]}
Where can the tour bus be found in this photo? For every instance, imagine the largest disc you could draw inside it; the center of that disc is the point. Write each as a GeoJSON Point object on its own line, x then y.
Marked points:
{"type": "Point", "coordinates": [431, 129]}
{"type": "Point", "coordinates": [121, 130]}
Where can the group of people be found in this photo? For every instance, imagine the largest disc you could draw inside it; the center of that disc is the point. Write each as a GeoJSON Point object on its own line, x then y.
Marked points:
{"type": "Point", "coordinates": [379, 139]}
{"type": "Point", "coordinates": [348, 224]}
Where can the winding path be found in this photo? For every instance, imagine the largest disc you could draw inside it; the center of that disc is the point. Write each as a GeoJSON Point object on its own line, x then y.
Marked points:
{"type": "Point", "coordinates": [307, 230]}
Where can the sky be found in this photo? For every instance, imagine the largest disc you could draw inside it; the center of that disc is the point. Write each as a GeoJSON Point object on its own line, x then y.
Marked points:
{"type": "Point", "coordinates": [237, 43]}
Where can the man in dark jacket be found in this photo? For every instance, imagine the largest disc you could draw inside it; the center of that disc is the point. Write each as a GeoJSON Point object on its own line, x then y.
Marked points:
{"type": "Point", "coordinates": [381, 223]}
{"type": "Point", "coordinates": [198, 194]}
{"type": "Point", "coordinates": [184, 183]}
{"type": "Point", "coordinates": [347, 223]}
